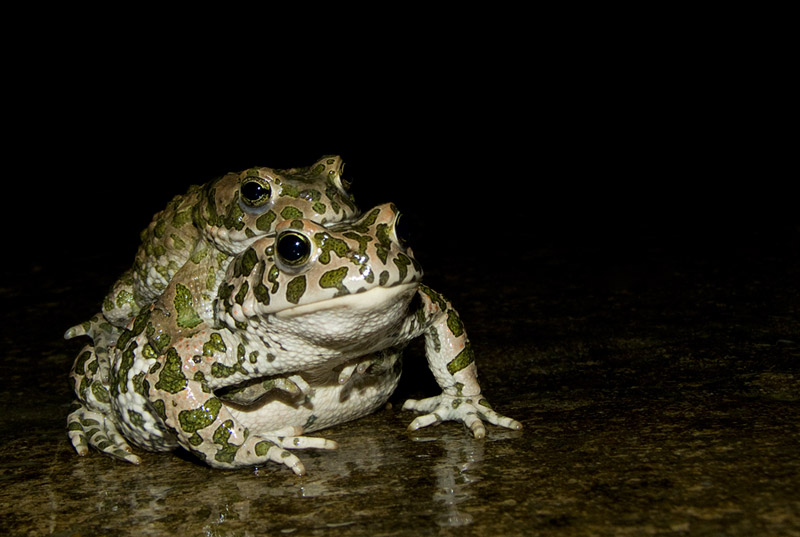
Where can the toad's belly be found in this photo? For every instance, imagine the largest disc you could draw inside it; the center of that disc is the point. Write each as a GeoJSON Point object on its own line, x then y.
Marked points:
{"type": "Point", "coordinates": [330, 404]}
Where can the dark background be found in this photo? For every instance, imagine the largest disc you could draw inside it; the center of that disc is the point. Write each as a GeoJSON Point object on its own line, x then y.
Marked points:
{"type": "Point", "coordinates": [612, 212]}
{"type": "Point", "coordinates": [535, 173]}
{"type": "Point", "coordinates": [615, 144]}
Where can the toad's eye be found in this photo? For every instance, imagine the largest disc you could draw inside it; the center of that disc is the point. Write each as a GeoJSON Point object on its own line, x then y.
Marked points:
{"type": "Point", "coordinates": [255, 191]}
{"type": "Point", "coordinates": [401, 229]}
{"type": "Point", "coordinates": [293, 248]}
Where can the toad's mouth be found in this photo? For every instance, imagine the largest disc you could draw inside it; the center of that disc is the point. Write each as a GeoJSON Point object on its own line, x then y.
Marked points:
{"type": "Point", "coordinates": [368, 300]}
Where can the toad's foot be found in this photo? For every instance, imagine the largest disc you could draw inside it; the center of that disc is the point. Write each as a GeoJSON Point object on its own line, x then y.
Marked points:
{"type": "Point", "coordinates": [356, 367]}
{"type": "Point", "coordinates": [468, 410]}
{"type": "Point", "coordinates": [88, 428]}
{"type": "Point", "coordinates": [272, 447]}
{"type": "Point", "coordinates": [248, 393]}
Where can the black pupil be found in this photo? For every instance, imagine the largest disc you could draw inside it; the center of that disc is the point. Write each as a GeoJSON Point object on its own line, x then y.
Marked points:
{"type": "Point", "coordinates": [293, 248]}
{"type": "Point", "coordinates": [254, 191]}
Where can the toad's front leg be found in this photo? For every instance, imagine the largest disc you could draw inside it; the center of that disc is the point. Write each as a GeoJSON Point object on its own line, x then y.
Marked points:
{"type": "Point", "coordinates": [452, 362]}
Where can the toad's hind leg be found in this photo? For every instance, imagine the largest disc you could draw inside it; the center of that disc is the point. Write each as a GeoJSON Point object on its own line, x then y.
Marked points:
{"type": "Point", "coordinates": [272, 447]}
{"type": "Point", "coordinates": [91, 423]}
{"type": "Point", "coordinates": [204, 425]}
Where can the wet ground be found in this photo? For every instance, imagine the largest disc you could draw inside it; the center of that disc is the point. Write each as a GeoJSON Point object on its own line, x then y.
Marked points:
{"type": "Point", "coordinates": [659, 388]}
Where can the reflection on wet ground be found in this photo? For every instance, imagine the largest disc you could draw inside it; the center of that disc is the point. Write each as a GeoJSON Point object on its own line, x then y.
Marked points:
{"type": "Point", "coordinates": [659, 396]}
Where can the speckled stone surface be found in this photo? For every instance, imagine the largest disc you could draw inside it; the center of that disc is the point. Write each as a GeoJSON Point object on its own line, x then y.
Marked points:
{"type": "Point", "coordinates": [659, 388]}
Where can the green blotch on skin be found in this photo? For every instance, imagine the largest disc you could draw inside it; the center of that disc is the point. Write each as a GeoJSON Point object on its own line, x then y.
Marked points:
{"type": "Point", "coordinates": [242, 293]}
{"type": "Point", "coordinates": [328, 244]}
{"type": "Point", "coordinates": [265, 221]}
{"type": "Point", "coordinates": [124, 298]}
{"type": "Point", "coordinates": [219, 370]}
{"type": "Point", "coordinates": [311, 195]}
{"type": "Point", "coordinates": [333, 280]}
{"type": "Point", "coordinates": [365, 223]}
{"type": "Point", "coordinates": [261, 293]}
{"type": "Point", "coordinates": [187, 316]}
{"type": "Point", "coordinates": [291, 213]}
{"type": "Point", "coordinates": [402, 262]}
{"type": "Point", "coordinates": [177, 242]}
{"type": "Point", "coordinates": [182, 218]}
{"type": "Point", "coordinates": [100, 393]}
{"type": "Point", "coordinates": [211, 279]}
{"type": "Point", "coordinates": [160, 408]}
{"type": "Point", "coordinates": [199, 253]}
{"type": "Point", "coordinates": [139, 324]}
{"type": "Point", "coordinates": [363, 241]}
{"type": "Point", "coordinates": [193, 420]}
{"type": "Point", "coordinates": [171, 378]}
{"type": "Point", "coordinates": [221, 436]}
{"type": "Point", "coordinates": [112, 387]}
{"type": "Point", "coordinates": [272, 277]}
{"type": "Point", "coordinates": [235, 217]}
{"type": "Point", "coordinates": [462, 360]}
{"type": "Point", "coordinates": [75, 426]}
{"type": "Point", "coordinates": [125, 364]}
{"type": "Point", "coordinates": [225, 291]}
{"type": "Point", "coordinates": [159, 228]}
{"type": "Point", "coordinates": [319, 207]}
{"type": "Point", "coordinates": [290, 191]}
{"type": "Point", "coordinates": [262, 448]}
{"type": "Point", "coordinates": [435, 297]}
{"type": "Point", "coordinates": [135, 418]}
{"type": "Point", "coordinates": [88, 422]}
{"type": "Point", "coordinates": [382, 233]}
{"type": "Point", "coordinates": [148, 352]}
{"type": "Point", "coordinates": [245, 263]}
{"type": "Point", "coordinates": [295, 289]}
{"type": "Point", "coordinates": [161, 340]}
{"type": "Point", "coordinates": [227, 453]}
{"type": "Point", "coordinates": [80, 362]}
{"type": "Point", "coordinates": [454, 323]}
{"type": "Point", "coordinates": [433, 335]}
{"type": "Point", "coordinates": [384, 242]}
{"type": "Point", "coordinates": [214, 343]}
{"type": "Point", "coordinates": [140, 384]}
